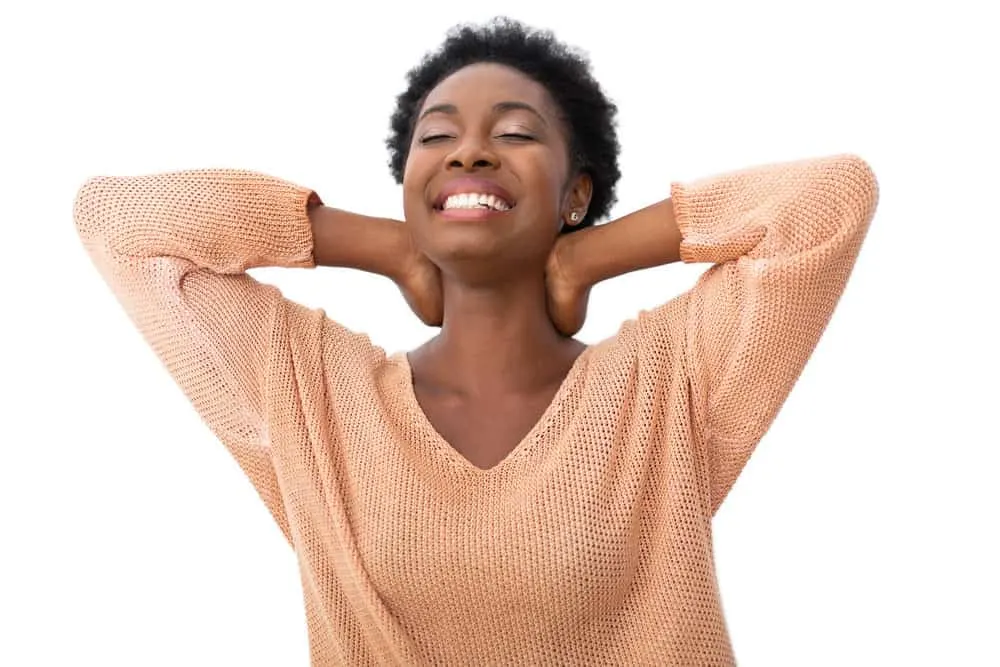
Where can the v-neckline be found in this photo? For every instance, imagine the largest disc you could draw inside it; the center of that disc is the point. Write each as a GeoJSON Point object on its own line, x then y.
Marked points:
{"type": "Point", "coordinates": [442, 447]}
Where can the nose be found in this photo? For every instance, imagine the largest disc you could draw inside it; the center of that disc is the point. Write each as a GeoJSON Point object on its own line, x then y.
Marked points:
{"type": "Point", "coordinates": [473, 153]}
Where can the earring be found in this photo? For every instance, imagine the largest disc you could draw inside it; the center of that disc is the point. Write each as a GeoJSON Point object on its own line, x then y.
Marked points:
{"type": "Point", "coordinates": [574, 216]}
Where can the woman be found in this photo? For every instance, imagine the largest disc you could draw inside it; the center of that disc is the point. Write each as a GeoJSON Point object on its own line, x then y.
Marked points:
{"type": "Point", "coordinates": [504, 494]}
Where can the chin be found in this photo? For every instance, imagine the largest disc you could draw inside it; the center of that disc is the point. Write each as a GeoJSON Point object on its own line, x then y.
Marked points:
{"type": "Point", "coordinates": [501, 245]}
{"type": "Point", "coordinates": [461, 246]}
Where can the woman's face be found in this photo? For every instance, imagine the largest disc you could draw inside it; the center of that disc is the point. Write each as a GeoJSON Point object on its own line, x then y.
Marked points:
{"type": "Point", "coordinates": [489, 130]}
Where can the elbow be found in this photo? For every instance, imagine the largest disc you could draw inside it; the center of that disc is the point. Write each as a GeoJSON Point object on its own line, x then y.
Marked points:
{"type": "Point", "coordinates": [858, 185]}
{"type": "Point", "coordinates": [86, 206]}
{"type": "Point", "coordinates": [94, 209]}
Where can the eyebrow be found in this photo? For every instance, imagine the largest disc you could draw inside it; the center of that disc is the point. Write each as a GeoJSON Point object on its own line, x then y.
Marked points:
{"type": "Point", "coordinates": [498, 108]}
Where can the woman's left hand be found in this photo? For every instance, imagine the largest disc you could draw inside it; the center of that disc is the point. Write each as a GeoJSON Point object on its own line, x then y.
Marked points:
{"type": "Point", "coordinates": [567, 293]}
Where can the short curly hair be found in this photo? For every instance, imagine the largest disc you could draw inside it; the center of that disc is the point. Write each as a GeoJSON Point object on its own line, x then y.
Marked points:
{"type": "Point", "coordinates": [589, 115]}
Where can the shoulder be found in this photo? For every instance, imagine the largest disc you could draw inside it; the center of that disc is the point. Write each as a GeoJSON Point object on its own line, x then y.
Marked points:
{"type": "Point", "coordinates": [655, 336]}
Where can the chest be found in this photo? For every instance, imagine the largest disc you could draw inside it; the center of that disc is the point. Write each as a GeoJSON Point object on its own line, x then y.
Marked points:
{"type": "Point", "coordinates": [554, 555]}
{"type": "Point", "coordinates": [485, 432]}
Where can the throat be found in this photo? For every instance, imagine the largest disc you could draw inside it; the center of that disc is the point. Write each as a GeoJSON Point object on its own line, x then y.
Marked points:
{"type": "Point", "coordinates": [485, 430]}
{"type": "Point", "coordinates": [497, 339]}
{"type": "Point", "coordinates": [493, 372]}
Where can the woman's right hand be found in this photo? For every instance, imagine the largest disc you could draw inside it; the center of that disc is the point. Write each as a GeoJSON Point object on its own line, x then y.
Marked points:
{"type": "Point", "coordinates": [419, 279]}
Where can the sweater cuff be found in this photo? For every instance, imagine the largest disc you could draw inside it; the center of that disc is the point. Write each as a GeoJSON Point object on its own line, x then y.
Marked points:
{"type": "Point", "coordinates": [682, 216]}
{"type": "Point", "coordinates": [292, 238]}
{"type": "Point", "coordinates": [712, 229]}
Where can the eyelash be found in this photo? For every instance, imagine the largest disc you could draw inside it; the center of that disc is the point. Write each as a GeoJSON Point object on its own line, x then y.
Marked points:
{"type": "Point", "coordinates": [514, 135]}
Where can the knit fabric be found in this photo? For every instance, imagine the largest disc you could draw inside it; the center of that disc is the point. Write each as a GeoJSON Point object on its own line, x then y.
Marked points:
{"type": "Point", "coordinates": [591, 543]}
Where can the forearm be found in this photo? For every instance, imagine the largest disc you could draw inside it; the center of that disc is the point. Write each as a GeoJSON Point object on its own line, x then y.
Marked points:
{"type": "Point", "coordinates": [351, 240]}
{"type": "Point", "coordinates": [769, 211]}
{"type": "Point", "coordinates": [226, 220]}
{"type": "Point", "coordinates": [776, 213]}
{"type": "Point", "coordinates": [644, 239]}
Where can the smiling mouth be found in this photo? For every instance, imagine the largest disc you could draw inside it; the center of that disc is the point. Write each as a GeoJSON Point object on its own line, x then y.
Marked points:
{"type": "Point", "coordinates": [475, 202]}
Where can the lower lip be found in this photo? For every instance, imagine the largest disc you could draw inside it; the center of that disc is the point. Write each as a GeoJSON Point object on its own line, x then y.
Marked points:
{"type": "Point", "coordinates": [470, 213]}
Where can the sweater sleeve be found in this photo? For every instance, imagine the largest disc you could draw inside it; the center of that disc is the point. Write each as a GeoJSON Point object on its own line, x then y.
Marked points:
{"type": "Point", "coordinates": [783, 239]}
{"type": "Point", "coordinates": [174, 248]}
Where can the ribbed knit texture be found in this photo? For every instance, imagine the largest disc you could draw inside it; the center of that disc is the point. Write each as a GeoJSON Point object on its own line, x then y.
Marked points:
{"type": "Point", "coordinates": [591, 543]}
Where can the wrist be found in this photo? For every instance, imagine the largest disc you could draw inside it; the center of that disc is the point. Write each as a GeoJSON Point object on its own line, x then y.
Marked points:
{"type": "Point", "coordinates": [568, 260]}
{"type": "Point", "coordinates": [403, 254]}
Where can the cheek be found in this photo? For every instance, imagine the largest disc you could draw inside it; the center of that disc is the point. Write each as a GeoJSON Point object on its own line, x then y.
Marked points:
{"type": "Point", "coordinates": [416, 212]}
{"type": "Point", "coordinates": [547, 193]}
{"type": "Point", "coordinates": [415, 215]}
{"type": "Point", "coordinates": [414, 195]}
{"type": "Point", "coordinates": [544, 176]}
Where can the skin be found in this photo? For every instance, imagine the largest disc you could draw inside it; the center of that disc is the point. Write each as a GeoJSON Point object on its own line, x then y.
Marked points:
{"type": "Point", "coordinates": [508, 292]}
{"type": "Point", "coordinates": [486, 378]}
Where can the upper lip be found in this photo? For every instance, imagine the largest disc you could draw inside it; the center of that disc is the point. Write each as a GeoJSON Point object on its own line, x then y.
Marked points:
{"type": "Point", "coordinates": [470, 185]}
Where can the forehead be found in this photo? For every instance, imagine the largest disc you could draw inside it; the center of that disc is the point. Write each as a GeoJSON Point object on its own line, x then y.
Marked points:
{"type": "Point", "coordinates": [478, 87]}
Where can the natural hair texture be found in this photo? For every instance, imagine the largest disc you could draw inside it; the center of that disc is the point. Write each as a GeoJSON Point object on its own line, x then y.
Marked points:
{"type": "Point", "coordinates": [588, 114]}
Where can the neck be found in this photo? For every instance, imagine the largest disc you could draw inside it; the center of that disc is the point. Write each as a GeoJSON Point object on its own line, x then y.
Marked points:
{"type": "Point", "coordinates": [499, 338]}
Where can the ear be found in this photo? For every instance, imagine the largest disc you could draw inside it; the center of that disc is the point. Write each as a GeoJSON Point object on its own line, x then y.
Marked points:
{"type": "Point", "coordinates": [579, 191]}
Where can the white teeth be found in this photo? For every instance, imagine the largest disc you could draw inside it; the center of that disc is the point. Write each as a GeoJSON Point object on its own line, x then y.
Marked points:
{"type": "Point", "coordinates": [475, 200]}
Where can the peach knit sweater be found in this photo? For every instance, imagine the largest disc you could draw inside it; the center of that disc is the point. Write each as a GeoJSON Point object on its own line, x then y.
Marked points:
{"type": "Point", "coordinates": [591, 543]}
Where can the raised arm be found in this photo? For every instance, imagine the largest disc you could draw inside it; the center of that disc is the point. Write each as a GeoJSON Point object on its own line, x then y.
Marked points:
{"type": "Point", "coordinates": [783, 239]}
{"type": "Point", "coordinates": [174, 248]}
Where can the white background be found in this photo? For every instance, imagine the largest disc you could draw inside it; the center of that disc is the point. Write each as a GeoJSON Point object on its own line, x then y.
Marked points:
{"type": "Point", "coordinates": [861, 532]}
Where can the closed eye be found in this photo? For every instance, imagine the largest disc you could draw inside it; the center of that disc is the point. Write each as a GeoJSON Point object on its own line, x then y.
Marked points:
{"type": "Point", "coordinates": [434, 137]}
{"type": "Point", "coordinates": [517, 136]}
